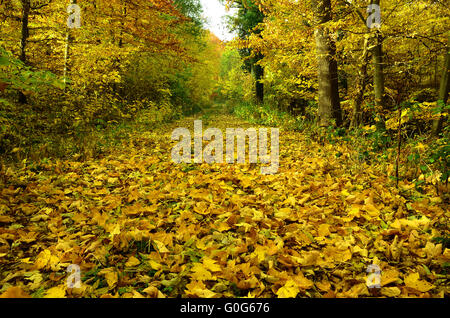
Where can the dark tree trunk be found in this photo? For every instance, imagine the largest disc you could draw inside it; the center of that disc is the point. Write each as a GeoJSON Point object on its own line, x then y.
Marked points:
{"type": "Point", "coordinates": [443, 90]}
{"type": "Point", "coordinates": [258, 73]}
{"type": "Point", "coordinates": [378, 78]}
{"type": "Point", "coordinates": [329, 103]}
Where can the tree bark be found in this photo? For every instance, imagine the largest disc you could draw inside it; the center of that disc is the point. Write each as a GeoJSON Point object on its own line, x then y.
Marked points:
{"type": "Point", "coordinates": [69, 40]}
{"type": "Point", "coordinates": [26, 7]}
{"type": "Point", "coordinates": [361, 83]}
{"type": "Point", "coordinates": [329, 103]}
{"type": "Point", "coordinates": [259, 87]}
{"type": "Point", "coordinates": [66, 58]}
{"type": "Point", "coordinates": [443, 90]}
{"type": "Point", "coordinates": [378, 77]}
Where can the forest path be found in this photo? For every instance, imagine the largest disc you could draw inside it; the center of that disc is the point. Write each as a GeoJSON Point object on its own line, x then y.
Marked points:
{"type": "Point", "coordinates": [138, 224]}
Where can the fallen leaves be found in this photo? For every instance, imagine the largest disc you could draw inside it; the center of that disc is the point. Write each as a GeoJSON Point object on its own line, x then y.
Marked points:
{"type": "Point", "coordinates": [390, 291]}
{"type": "Point", "coordinates": [414, 282]}
{"type": "Point", "coordinates": [141, 226]}
{"type": "Point", "coordinates": [111, 276]}
{"type": "Point", "coordinates": [56, 292]}
{"type": "Point", "coordinates": [198, 289]}
{"type": "Point", "coordinates": [14, 292]}
{"type": "Point", "coordinates": [323, 230]}
{"type": "Point", "coordinates": [289, 290]}
{"type": "Point", "coordinates": [46, 260]}
{"type": "Point", "coordinates": [132, 261]}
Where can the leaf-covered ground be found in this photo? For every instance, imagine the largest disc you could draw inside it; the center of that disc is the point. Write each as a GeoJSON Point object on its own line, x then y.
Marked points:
{"type": "Point", "coordinates": [139, 225]}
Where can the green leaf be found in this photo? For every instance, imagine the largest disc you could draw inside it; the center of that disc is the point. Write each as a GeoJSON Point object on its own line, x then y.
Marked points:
{"type": "Point", "coordinates": [4, 101]}
{"type": "Point", "coordinates": [4, 61]}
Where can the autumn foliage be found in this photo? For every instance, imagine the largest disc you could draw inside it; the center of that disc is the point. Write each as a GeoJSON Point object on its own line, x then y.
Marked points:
{"type": "Point", "coordinates": [87, 178]}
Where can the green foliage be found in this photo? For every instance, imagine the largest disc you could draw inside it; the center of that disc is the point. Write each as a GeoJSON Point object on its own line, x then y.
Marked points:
{"type": "Point", "coordinates": [263, 115]}
{"type": "Point", "coordinates": [23, 78]}
{"type": "Point", "coordinates": [192, 9]}
{"type": "Point", "coordinates": [235, 84]}
{"type": "Point", "coordinates": [245, 22]}
{"type": "Point", "coordinates": [129, 87]}
{"type": "Point", "coordinates": [439, 155]}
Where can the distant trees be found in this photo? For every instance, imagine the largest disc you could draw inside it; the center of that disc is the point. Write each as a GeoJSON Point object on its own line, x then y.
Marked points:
{"type": "Point", "coordinates": [246, 24]}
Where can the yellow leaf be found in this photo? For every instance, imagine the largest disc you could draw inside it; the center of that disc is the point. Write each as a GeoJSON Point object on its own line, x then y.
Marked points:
{"type": "Point", "coordinates": [289, 290]}
{"type": "Point", "coordinates": [389, 276]}
{"type": "Point", "coordinates": [257, 215]}
{"type": "Point", "coordinates": [211, 265]}
{"type": "Point", "coordinates": [25, 260]}
{"type": "Point", "coordinates": [390, 291]}
{"type": "Point", "coordinates": [155, 265]}
{"type": "Point", "coordinates": [100, 218]}
{"type": "Point", "coordinates": [246, 182]}
{"type": "Point", "coordinates": [304, 199]}
{"type": "Point", "coordinates": [132, 261]}
{"type": "Point", "coordinates": [134, 209]}
{"type": "Point", "coordinates": [260, 253]}
{"type": "Point", "coordinates": [56, 292]}
{"type": "Point", "coordinates": [371, 210]}
{"type": "Point", "coordinates": [284, 213]}
{"type": "Point", "coordinates": [6, 219]}
{"type": "Point", "coordinates": [153, 292]}
{"type": "Point", "coordinates": [202, 194]}
{"type": "Point", "coordinates": [42, 259]}
{"type": "Point", "coordinates": [114, 230]}
{"type": "Point", "coordinates": [110, 276]}
{"type": "Point", "coordinates": [198, 289]}
{"type": "Point", "coordinates": [324, 285]}
{"type": "Point", "coordinates": [201, 208]}
{"type": "Point", "coordinates": [357, 290]}
{"type": "Point", "coordinates": [432, 250]}
{"type": "Point", "coordinates": [14, 292]}
{"type": "Point", "coordinates": [200, 273]}
{"type": "Point", "coordinates": [160, 247]}
{"type": "Point", "coordinates": [290, 201]}
{"type": "Point", "coordinates": [222, 227]}
{"type": "Point", "coordinates": [396, 224]}
{"type": "Point", "coordinates": [302, 282]}
{"type": "Point", "coordinates": [412, 281]}
{"type": "Point", "coordinates": [354, 212]}
{"type": "Point", "coordinates": [323, 230]}
{"type": "Point", "coordinates": [361, 251]}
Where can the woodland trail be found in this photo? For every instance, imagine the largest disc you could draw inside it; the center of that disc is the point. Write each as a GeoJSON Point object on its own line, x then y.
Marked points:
{"type": "Point", "coordinates": [139, 225]}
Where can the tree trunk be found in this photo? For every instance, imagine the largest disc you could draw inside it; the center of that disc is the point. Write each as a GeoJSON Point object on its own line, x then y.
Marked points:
{"type": "Point", "coordinates": [378, 77]}
{"type": "Point", "coordinates": [361, 83]}
{"type": "Point", "coordinates": [443, 91]}
{"type": "Point", "coordinates": [66, 58]}
{"type": "Point", "coordinates": [69, 40]}
{"type": "Point", "coordinates": [329, 103]}
{"type": "Point", "coordinates": [122, 23]}
{"type": "Point", "coordinates": [258, 73]}
{"type": "Point", "coordinates": [23, 41]}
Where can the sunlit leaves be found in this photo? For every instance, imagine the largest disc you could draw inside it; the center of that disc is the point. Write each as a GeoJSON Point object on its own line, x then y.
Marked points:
{"type": "Point", "coordinates": [139, 225]}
